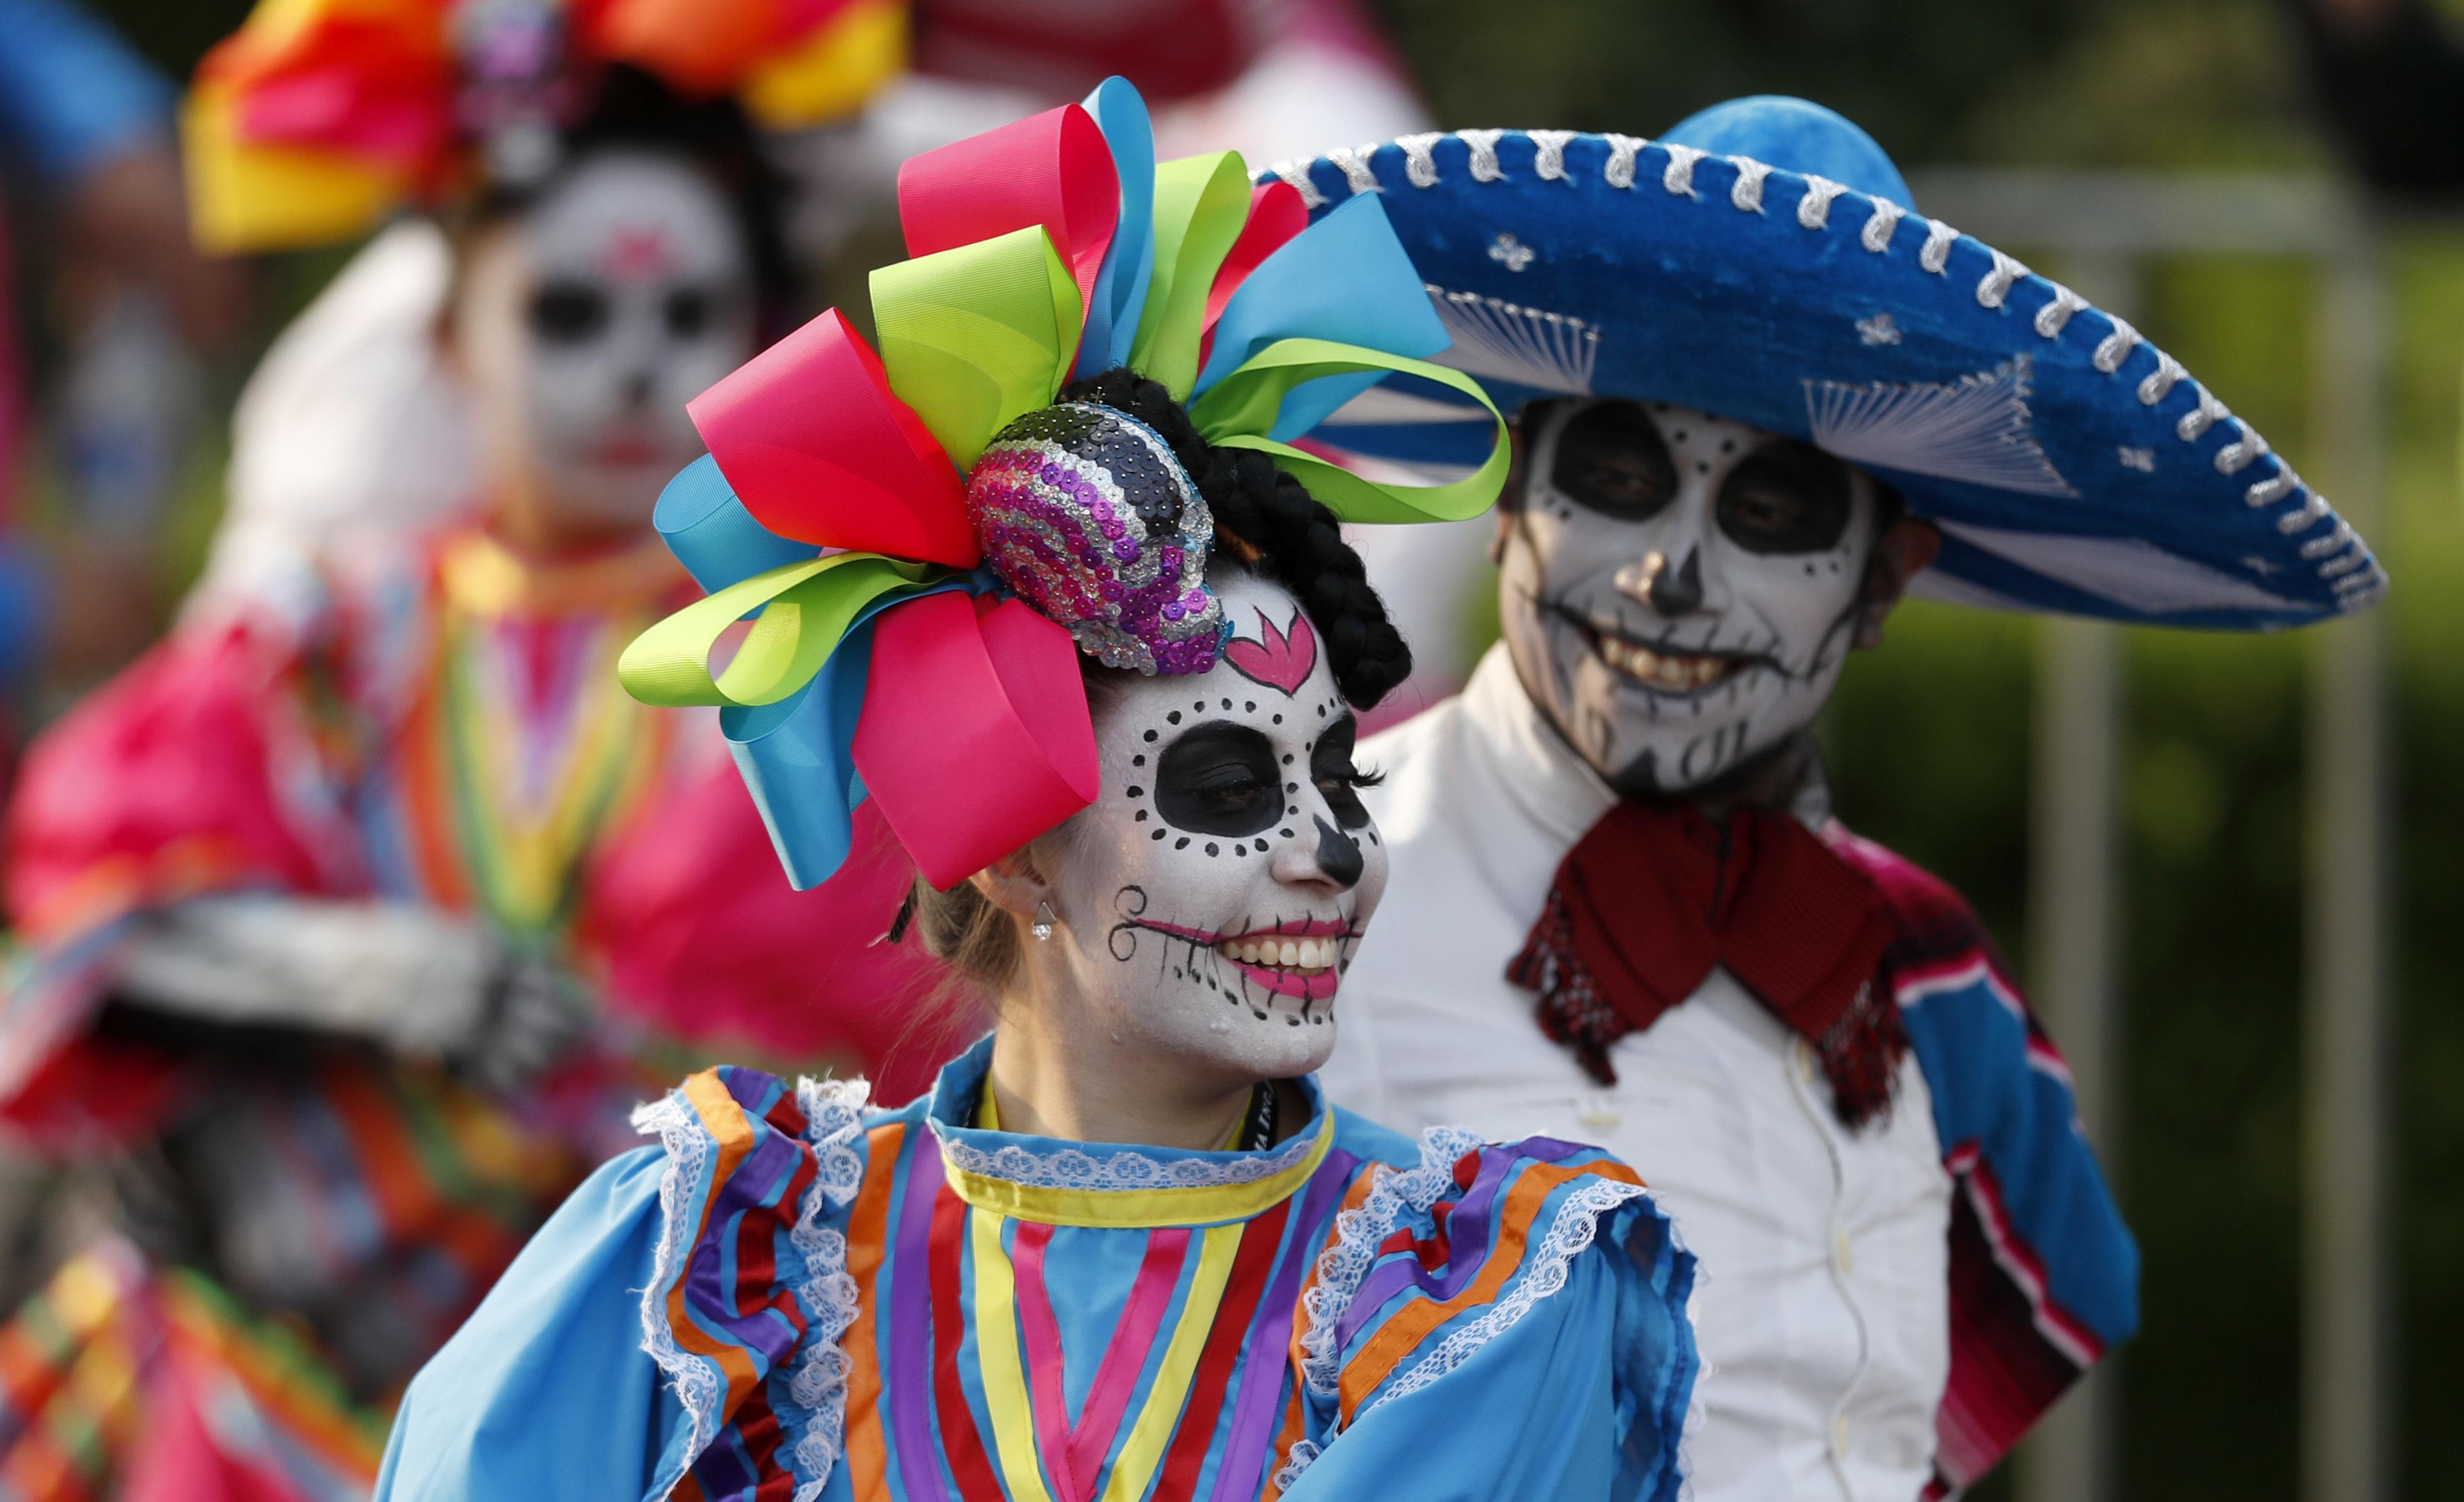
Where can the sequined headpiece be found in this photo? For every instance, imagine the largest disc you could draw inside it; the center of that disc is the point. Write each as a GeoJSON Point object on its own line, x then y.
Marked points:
{"type": "Point", "coordinates": [927, 542]}
{"type": "Point", "coordinates": [1086, 514]}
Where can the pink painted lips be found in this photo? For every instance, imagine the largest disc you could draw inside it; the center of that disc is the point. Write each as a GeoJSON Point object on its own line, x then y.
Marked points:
{"type": "Point", "coordinates": [1299, 959]}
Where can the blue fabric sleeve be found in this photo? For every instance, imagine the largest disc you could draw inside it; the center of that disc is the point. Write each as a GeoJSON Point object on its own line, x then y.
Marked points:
{"type": "Point", "coordinates": [1531, 1416]}
{"type": "Point", "coordinates": [72, 94]}
{"type": "Point", "coordinates": [2000, 1093]}
{"type": "Point", "coordinates": [546, 1395]}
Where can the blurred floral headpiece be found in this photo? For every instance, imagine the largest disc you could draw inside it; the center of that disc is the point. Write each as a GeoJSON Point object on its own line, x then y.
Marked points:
{"type": "Point", "coordinates": [925, 542]}
{"type": "Point", "coordinates": [318, 117]}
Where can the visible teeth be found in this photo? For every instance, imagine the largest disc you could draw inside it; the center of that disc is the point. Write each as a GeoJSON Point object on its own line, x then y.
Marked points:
{"type": "Point", "coordinates": [1289, 955]}
{"type": "Point", "coordinates": [1679, 673]}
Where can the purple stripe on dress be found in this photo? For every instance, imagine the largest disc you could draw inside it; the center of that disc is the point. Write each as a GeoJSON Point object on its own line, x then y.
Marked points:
{"type": "Point", "coordinates": [1465, 1249]}
{"type": "Point", "coordinates": [755, 1091]}
{"type": "Point", "coordinates": [726, 1468]}
{"type": "Point", "coordinates": [1255, 1415]}
{"type": "Point", "coordinates": [907, 1386]}
{"type": "Point", "coordinates": [710, 1281]}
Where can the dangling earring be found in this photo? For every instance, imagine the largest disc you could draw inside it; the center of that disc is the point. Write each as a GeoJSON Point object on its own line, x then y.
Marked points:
{"type": "Point", "coordinates": [1044, 922]}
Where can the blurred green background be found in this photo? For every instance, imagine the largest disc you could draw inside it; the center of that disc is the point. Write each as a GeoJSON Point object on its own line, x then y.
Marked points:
{"type": "Point", "coordinates": [1930, 736]}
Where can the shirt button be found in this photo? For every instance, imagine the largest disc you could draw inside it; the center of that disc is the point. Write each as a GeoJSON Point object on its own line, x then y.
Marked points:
{"type": "Point", "coordinates": [1839, 1437]}
{"type": "Point", "coordinates": [1843, 1253]}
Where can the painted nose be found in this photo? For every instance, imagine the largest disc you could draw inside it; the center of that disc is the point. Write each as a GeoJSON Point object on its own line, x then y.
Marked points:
{"type": "Point", "coordinates": [1673, 590]}
{"type": "Point", "coordinates": [1340, 856]}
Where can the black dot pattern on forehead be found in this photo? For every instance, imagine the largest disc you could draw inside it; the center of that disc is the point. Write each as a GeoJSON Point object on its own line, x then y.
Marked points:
{"type": "Point", "coordinates": [1228, 704]}
{"type": "Point", "coordinates": [1214, 849]}
{"type": "Point", "coordinates": [1161, 833]}
{"type": "Point", "coordinates": [1174, 718]}
{"type": "Point", "coordinates": [1182, 843]}
{"type": "Point", "coordinates": [1134, 791]}
{"type": "Point", "coordinates": [1142, 815]}
{"type": "Point", "coordinates": [1138, 760]}
{"type": "Point", "coordinates": [1250, 708]}
{"type": "Point", "coordinates": [1151, 735]}
{"type": "Point", "coordinates": [1285, 833]}
{"type": "Point", "coordinates": [1200, 706]}
{"type": "Point", "coordinates": [1239, 850]}
{"type": "Point", "coordinates": [1279, 719]}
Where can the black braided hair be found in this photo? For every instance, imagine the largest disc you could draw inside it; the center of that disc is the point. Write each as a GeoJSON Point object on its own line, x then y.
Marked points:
{"type": "Point", "coordinates": [1282, 533]}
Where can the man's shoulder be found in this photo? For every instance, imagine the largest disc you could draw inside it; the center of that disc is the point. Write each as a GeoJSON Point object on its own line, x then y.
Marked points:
{"type": "Point", "coordinates": [1931, 922]}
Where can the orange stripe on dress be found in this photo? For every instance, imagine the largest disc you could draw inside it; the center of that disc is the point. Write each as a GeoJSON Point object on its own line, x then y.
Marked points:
{"type": "Point", "coordinates": [1402, 1334]}
{"type": "Point", "coordinates": [426, 800]}
{"type": "Point", "coordinates": [1293, 1408]}
{"type": "Point", "coordinates": [726, 1123]}
{"type": "Point", "coordinates": [404, 1192]}
{"type": "Point", "coordinates": [868, 1462]}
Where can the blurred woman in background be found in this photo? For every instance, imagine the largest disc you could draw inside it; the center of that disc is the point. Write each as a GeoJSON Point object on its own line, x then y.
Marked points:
{"type": "Point", "coordinates": [352, 912]}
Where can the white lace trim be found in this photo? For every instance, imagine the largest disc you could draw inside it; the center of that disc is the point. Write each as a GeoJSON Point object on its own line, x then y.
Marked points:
{"type": "Point", "coordinates": [1357, 1233]}
{"type": "Point", "coordinates": [1548, 1262]}
{"type": "Point", "coordinates": [698, 1388]}
{"type": "Point", "coordinates": [1075, 1168]}
{"type": "Point", "coordinates": [833, 1110]}
{"type": "Point", "coordinates": [833, 1113]}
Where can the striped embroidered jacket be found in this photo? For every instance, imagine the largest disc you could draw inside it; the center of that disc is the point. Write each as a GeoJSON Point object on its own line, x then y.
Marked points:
{"type": "Point", "coordinates": [796, 1298]}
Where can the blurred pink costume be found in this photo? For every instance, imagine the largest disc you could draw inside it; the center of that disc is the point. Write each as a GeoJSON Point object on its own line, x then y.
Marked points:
{"type": "Point", "coordinates": [447, 728]}
{"type": "Point", "coordinates": [444, 732]}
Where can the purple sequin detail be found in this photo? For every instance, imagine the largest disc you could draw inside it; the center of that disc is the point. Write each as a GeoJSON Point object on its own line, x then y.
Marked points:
{"type": "Point", "coordinates": [1065, 503]}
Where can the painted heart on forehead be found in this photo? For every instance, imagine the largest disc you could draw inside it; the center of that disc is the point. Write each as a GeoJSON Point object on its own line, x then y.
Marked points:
{"type": "Point", "coordinates": [1215, 892]}
{"type": "Point", "coordinates": [1277, 658]}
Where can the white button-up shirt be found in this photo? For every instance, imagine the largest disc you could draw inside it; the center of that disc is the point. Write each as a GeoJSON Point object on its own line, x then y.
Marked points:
{"type": "Point", "coordinates": [1822, 1308]}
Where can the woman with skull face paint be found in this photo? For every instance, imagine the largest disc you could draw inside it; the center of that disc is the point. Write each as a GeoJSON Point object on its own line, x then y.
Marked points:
{"type": "Point", "coordinates": [353, 919]}
{"type": "Point", "coordinates": [1095, 646]}
{"type": "Point", "coordinates": [1758, 398]}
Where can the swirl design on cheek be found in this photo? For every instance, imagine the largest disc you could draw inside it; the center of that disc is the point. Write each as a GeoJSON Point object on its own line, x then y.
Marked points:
{"type": "Point", "coordinates": [1090, 517]}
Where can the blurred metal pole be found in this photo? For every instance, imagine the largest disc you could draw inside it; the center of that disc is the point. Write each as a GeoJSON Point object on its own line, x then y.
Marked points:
{"type": "Point", "coordinates": [2073, 897]}
{"type": "Point", "coordinates": [2347, 1398]}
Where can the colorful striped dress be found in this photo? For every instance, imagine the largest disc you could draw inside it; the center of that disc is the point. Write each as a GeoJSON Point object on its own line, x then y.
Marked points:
{"type": "Point", "coordinates": [794, 1297]}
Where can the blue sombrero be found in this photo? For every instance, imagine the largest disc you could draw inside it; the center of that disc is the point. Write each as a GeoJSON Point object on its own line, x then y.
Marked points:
{"type": "Point", "coordinates": [1760, 263]}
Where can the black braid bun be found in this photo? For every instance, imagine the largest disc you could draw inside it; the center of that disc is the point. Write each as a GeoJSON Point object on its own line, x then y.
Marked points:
{"type": "Point", "coordinates": [1279, 530]}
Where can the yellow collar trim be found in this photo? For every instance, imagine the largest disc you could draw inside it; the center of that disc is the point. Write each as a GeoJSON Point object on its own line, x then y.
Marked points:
{"type": "Point", "coordinates": [1143, 1210]}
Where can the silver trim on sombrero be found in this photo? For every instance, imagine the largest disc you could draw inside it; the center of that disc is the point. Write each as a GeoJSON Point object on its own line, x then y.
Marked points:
{"type": "Point", "coordinates": [2353, 574]}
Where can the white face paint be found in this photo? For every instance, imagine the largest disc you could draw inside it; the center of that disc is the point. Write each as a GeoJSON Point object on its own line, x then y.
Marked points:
{"type": "Point", "coordinates": [1213, 894]}
{"type": "Point", "coordinates": [587, 324]}
{"type": "Point", "coordinates": [1680, 591]}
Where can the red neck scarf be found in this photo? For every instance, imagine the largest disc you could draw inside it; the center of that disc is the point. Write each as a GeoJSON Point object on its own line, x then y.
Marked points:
{"type": "Point", "coordinates": [1656, 895]}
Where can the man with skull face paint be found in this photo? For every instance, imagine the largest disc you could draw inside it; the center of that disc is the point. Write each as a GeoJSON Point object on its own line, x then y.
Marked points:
{"type": "Point", "coordinates": [353, 916]}
{"type": "Point", "coordinates": [1757, 399]}
{"type": "Point", "coordinates": [1095, 646]}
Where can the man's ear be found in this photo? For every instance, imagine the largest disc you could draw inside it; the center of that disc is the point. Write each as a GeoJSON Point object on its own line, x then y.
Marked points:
{"type": "Point", "coordinates": [1013, 883]}
{"type": "Point", "coordinates": [1903, 551]}
{"type": "Point", "coordinates": [1509, 499]}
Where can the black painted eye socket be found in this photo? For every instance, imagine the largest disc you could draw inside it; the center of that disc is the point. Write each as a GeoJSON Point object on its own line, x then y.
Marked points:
{"type": "Point", "coordinates": [1785, 498]}
{"type": "Point", "coordinates": [690, 312]}
{"type": "Point", "coordinates": [568, 312]}
{"type": "Point", "coordinates": [1612, 460]}
{"type": "Point", "coordinates": [1218, 778]}
{"type": "Point", "coordinates": [1338, 781]}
